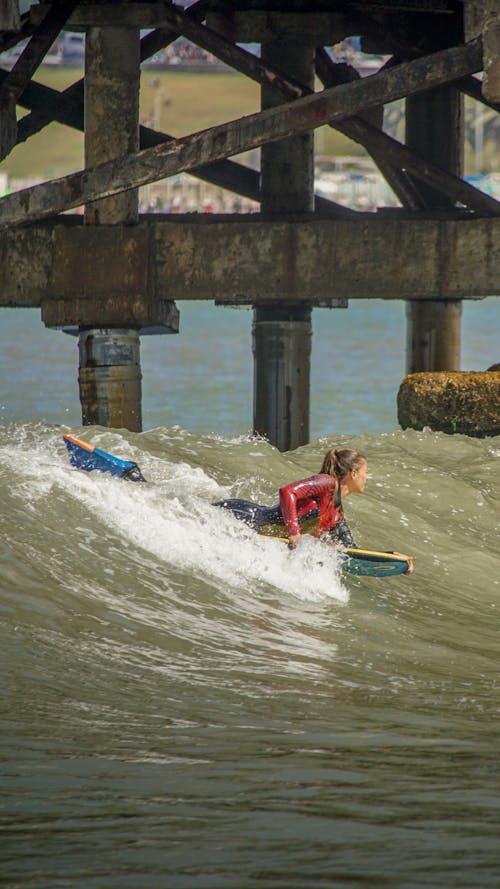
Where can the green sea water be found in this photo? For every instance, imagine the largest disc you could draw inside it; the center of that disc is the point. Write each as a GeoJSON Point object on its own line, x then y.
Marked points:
{"type": "Point", "coordinates": [202, 378]}
{"type": "Point", "coordinates": [185, 704]}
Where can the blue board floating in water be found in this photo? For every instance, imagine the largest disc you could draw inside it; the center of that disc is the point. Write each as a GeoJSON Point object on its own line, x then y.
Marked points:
{"type": "Point", "coordinates": [85, 456]}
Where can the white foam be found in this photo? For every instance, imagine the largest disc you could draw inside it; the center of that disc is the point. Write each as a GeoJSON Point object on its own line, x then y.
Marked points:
{"type": "Point", "coordinates": [186, 532]}
{"type": "Point", "coordinates": [175, 522]}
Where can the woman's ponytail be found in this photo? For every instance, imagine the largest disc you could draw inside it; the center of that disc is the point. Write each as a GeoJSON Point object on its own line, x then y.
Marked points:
{"type": "Point", "coordinates": [339, 463]}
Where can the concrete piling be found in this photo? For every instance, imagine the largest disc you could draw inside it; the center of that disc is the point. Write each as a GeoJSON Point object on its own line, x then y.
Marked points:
{"type": "Point", "coordinates": [282, 362]}
{"type": "Point", "coordinates": [282, 334]}
{"type": "Point", "coordinates": [434, 335]}
{"type": "Point", "coordinates": [434, 128]}
{"type": "Point", "coordinates": [110, 372]}
{"type": "Point", "coordinates": [110, 378]}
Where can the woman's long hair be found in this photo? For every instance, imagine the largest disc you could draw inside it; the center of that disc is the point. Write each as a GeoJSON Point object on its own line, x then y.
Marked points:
{"type": "Point", "coordinates": [339, 463]}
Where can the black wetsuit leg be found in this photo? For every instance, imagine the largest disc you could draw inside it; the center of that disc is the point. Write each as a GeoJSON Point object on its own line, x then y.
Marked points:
{"type": "Point", "coordinates": [252, 513]}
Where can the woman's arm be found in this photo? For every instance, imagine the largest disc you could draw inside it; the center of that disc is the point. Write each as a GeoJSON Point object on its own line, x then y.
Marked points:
{"type": "Point", "coordinates": [288, 508]}
{"type": "Point", "coordinates": [298, 497]}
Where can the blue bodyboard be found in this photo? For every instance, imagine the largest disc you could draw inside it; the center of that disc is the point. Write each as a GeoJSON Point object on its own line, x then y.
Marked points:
{"type": "Point", "coordinates": [370, 563]}
{"type": "Point", "coordinates": [85, 456]}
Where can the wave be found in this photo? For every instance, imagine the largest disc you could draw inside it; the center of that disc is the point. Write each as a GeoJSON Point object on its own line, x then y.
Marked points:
{"type": "Point", "coordinates": [168, 676]}
{"type": "Point", "coordinates": [83, 551]}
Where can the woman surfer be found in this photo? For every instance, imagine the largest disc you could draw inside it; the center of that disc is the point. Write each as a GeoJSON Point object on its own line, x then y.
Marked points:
{"type": "Point", "coordinates": [343, 472]}
{"type": "Point", "coordinates": [312, 505]}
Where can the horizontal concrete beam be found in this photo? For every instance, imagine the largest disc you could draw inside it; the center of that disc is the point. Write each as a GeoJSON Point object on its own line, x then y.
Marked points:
{"type": "Point", "coordinates": [318, 260]}
{"type": "Point", "coordinates": [314, 27]}
{"type": "Point", "coordinates": [136, 270]}
{"type": "Point", "coordinates": [111, 14]}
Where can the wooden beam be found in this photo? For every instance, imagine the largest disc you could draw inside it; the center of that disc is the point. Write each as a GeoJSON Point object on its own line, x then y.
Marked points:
{"type": "Point", "coordinates": [393, 167]}
{"type": "Point", "coordinates": [471, 86]}
{"type": "Point", "coordinates": [241, 179]}
{"type": "Point", "coordinates": [228, 139]}
{"type": "Point", "coordinates": [383, 151]}
{"type": "Point", "coordinates": [394, 170]}
{"type": "Point", "coordinates": [235, 56]}
{"type": "Point", "coordinates": [63, 103]}
{"type": "Point", "coordinates": [205, 257]}
{"type": "Point", "coordinates": [17, 79]}
{"type": "Point", "coordinates": [491, 44]}
{"type": "Point", "coordinates": [315, 28]}
{"type": "Point", "coordinates": [48, 105]}
{"type": "Point", "coordinates": [34, 52]}
{"type": "Point", "coordinates": [394, 159]}
{"type": "Point", "coordinates": [10, 20]}
{"type": "Point", "coordinates": [67, 108]}
{"type": "Point", "coordinates": [8, 39]}
{"type": "Point", "coordinates": [458, 190]}
{"type": "Point", "coordinates": [266, 75]}
{"type": "Point", "coordinates": [331, 74]}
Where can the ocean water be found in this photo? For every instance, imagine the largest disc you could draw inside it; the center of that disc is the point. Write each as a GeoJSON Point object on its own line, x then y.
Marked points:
{"type": "Point", "coordinates": [201, 379]}
{"type": "Point", "coordinates": [186, 705]}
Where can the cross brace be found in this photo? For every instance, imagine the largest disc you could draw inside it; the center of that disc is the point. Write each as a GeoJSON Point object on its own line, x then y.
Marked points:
{"type": "Point", "coordinates": [250, 132]}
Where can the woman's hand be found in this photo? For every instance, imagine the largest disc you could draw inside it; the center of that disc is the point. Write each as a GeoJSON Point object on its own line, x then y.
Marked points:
{"type": "Point", "coordinates": [293, 541]}
{"type": "Point", "coordinates": [410, 560]}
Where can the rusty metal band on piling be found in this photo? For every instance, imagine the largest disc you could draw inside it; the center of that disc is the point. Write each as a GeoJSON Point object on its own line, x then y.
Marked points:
{"type": "Point", "coordinates": [110, 378]}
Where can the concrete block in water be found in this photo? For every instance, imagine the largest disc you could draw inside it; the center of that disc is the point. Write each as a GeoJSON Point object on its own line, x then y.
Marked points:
{"type": "Point", "coordinates": [455, 402]}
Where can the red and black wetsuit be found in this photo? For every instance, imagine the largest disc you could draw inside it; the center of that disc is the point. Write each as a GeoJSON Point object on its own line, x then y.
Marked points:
{"type": "Point", "coordinates": [319, 492]}
{"type": "Point", "coordinates": [315, 503]}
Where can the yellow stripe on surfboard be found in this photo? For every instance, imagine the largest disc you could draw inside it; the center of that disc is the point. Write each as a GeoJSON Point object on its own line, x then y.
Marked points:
{"type": "Point", "coordinates": [356, 553]}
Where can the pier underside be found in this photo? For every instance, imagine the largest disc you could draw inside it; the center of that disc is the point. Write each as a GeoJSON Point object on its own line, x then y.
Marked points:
{"type": "Point", "coordinates": [115, 269]}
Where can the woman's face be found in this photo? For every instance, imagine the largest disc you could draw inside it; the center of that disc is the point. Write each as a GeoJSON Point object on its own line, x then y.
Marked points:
{"type": "Point", "coordinates": [359, 477]}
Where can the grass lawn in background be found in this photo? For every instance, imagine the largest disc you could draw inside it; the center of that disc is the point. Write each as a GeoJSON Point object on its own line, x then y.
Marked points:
{"type": "Point", "coordinates": [174, 102]}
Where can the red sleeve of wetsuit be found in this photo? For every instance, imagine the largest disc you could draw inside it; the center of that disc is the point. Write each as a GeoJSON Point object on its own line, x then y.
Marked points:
{"type": "Point", "coordinates": [299, 494]}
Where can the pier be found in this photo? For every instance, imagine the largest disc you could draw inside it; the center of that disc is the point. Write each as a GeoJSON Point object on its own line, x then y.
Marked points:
{"type": "Point", "coordinates": [84, 250]}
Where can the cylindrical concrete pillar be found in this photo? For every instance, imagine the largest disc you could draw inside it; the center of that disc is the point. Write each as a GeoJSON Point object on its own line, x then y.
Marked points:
{"type": "Point", "coordinates": [433, 332]}
{"type": "Point", "coordinates": [434, 129]}
{"type": "Point", "coordinates": [282, 365]}
{"type": "Point", "coordinates": [110, 378]}
{"type": "Point", "coordinates": [110, 372]}
{"type": "Point", "coordinates": [281, 333]}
